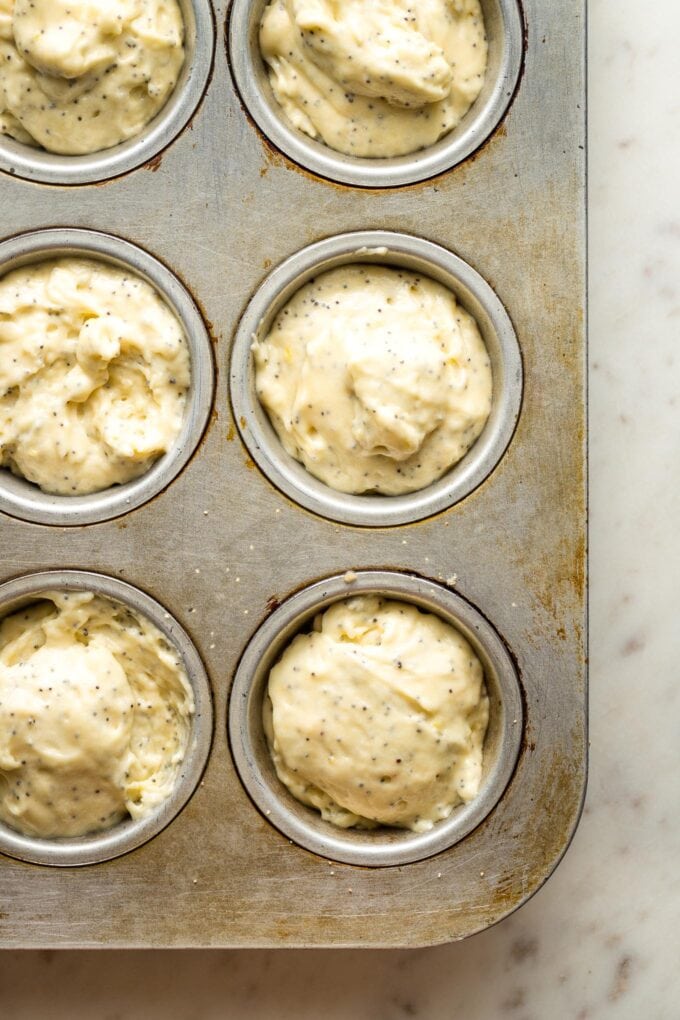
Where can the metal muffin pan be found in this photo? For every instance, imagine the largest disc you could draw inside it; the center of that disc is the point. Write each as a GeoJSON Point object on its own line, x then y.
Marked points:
{"type": "Point", "coordinates": [381, 847]}
{"type": "Point", "coordinates": [103, 846]}
{"type": "Point", "coordinates": [505, 34]}
{"type": "Point", "coordinates": [223, 546]}
{"type": "Point", "coordinates": [26, 500]}
{"type": "Point", "coordinates": [36, 164]}
{"type": "Point", "coordinates": [474, 294]}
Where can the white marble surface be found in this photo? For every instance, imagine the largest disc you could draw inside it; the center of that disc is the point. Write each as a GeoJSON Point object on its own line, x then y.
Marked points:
{"type": "Point", "coordinates": [598, 940]}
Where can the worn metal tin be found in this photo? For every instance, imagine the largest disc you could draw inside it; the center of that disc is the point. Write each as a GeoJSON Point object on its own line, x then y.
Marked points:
{"type": "Point", "coordinates": [103, 846]}
{"type": "Point", "coordinates": [221, 546]}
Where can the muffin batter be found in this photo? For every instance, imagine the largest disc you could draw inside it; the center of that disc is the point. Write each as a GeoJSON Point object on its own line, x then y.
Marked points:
{"type": "Point", "coordinates": [77, 76]}
{"type": "Point", "coordinates": [94, 372]}
{"type": "Point", "coordinates": [95, 716]}
{"type": "Point", "coordinates": [375, 77]}
{"type": "Point", "coordinates": [375, 379]}
{"type": "Point", "coordinates": [378, 716]}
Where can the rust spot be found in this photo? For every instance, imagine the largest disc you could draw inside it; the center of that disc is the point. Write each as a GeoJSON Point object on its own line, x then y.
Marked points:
{"type": "Point", "coordinates": [250, 464]}
{"type": "Point", "coordinates": [273, 602]}
{"type": "Point", "coordinates": [154, 164]}
{"type": "Point", "coordinates": [266, 264]}
{"type": "Point", "coordinates": [264, 170]}
{"type": "Point", "coordinates": [121, 525]}
{"type": "Point", "coordinates": [212, 332]}
{"type": "Point", "coordinates": [231, 434]}
{"type": "Point", "coordinates": [242, 422]}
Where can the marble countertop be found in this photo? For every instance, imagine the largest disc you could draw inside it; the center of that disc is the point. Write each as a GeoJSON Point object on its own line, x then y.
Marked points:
{"type": "Point", "coordinates": [597, 940]}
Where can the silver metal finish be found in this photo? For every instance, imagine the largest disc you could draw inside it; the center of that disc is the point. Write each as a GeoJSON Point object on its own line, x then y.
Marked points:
{"type": "Point", "coordinates": [103, 846]}
{"type": "Point", "coordinates": [380, 847]}
{"type": "Point", "coordinates": [222, 546]}
{"type": "Point", "coordinates": [505, 30]}
{"type": "Point", "coordinates": [475, 295]}
{"type": "Point", "coordinates": [37, 164]}
{"type": "Point", "coordinates": [25, 500]}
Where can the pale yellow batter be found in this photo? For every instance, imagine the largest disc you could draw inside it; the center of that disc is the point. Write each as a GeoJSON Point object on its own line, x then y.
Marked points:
{"type": "Point", "coordinates": [94, 372]}
{"type": "Point", "coordinates": [95, 716]}
{"type": "Point", "coordinates": [375, 379]}
{"type": "Point", "coordinates": [375, 77]}
{"type": "Point", "coordinates": [378, 716]}
{"type": "Point", "coordinates": [78, 76]}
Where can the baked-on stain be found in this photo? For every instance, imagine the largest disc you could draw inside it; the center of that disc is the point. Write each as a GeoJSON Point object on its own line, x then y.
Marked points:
{"type": "Point", "coordinates": [153, 164]}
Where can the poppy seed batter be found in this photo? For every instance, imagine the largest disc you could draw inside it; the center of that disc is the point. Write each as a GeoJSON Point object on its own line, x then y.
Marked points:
{"type": "Point", "coordinates": [375, 78]}
{"type": "Point", "coordinates": [95, 715]}
{"type": "Point", "coordinates": [378, 716]}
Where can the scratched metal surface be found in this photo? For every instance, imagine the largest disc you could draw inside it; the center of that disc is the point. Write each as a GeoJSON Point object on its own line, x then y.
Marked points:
{"type": "Point", "coordinates": [220, 208]}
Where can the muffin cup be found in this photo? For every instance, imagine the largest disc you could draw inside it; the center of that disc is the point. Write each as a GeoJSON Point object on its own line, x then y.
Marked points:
{"type": "Point", "coordinates": [474, 294]}
{"type": "Point", "coordinates": [130, 834]}
{"type": "Point", "coordinates": [36, 164]}
{"type": "Point", "coordinates": [303, 825]}
{"type": "Point", "coordinates": [505, 33]}
{"type": "Point", "coordinates": [25, 500]}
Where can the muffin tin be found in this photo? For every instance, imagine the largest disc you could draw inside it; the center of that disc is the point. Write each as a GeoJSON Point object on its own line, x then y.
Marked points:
{"type": "Point", "coordinates": [239, 554]}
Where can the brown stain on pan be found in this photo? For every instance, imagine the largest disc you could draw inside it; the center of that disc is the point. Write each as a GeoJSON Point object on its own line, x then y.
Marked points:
{"type": "Point", "coordinates": [153, 164]}
{"type": "Point", "coordinates": [276, 159]}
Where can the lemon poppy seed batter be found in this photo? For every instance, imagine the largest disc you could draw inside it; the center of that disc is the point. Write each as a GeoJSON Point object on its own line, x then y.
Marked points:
{"type": "Point", "coordinates": [378, 716]}
{"type": "Point", "coordinates": [95, 715]}
{"type": "Point", "coordinates": [94, 374]}
{"type": "Point", "coordinates": [375, 78]}
{"type": "Point", "coordinates": [78, 76]}
{"type": "Point", "coordinates": [375, 379]}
